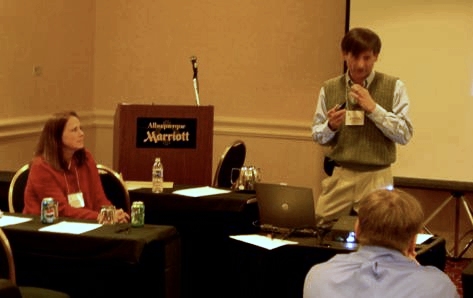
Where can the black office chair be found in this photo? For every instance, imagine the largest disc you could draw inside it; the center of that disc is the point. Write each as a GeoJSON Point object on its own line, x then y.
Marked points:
{"type": "Point", "coordinates": [233, 157]}
{"type": "Point", "coordinates": [8, 285]}
{"type": "Point", "coordinates": [115, 188]}
{"type": "Point", "coordinates": [16, 190]}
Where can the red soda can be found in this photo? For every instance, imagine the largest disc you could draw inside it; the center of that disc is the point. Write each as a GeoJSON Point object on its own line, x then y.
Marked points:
{"type": "Point", "coordinates": [49, 211]}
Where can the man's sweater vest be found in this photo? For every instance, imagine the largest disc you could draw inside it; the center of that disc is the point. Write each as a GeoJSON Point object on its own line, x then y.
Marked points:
{"type": "Point", "coordinates": [362, 147]}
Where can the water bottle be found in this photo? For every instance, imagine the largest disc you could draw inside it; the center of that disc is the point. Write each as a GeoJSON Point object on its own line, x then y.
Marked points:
{"type": "Point", "coordinates": [157, 175]}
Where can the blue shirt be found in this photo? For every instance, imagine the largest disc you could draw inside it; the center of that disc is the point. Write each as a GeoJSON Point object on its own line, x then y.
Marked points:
{"type": "Point", "coordinates": [374, 271]}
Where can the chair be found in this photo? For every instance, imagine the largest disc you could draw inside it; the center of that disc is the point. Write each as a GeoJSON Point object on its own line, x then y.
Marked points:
{"type": "Point", "coordinates": [16, 190]}
{"type": "Point", "coordinates": [113, 185]}
{"type": "Point", "coordinates": [233, 157]}
{"type": "Point", "coordinates": [115, 188]}
{"type": "Point", "coordinates": [8, 289]}
{"type": "Point", "coordinates": [8, 286]}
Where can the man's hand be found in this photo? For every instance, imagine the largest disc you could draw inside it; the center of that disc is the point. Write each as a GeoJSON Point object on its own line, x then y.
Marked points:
{"type": "Point", "coordinates": [363, 98]}
{"type": "Point", "coordinates": [336, 117]}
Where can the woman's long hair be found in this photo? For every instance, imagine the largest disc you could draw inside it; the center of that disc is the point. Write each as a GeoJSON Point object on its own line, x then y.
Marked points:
{"type": "Point", "coordinates": [50, 144]}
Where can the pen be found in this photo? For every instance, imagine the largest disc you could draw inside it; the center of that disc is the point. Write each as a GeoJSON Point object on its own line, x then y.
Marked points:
{"type": "Point", "coordinates": [123, 229]}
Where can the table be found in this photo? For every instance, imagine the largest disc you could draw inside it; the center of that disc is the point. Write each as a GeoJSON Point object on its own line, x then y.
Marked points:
{"type": "Point", "coordinates": [258, 272]}
{"type": "Point", "coordinates": [457, 190]}
{"type": "Point", "coordinates": [204, 224]}
{"type": "Point", "coordinates": [138, 262]}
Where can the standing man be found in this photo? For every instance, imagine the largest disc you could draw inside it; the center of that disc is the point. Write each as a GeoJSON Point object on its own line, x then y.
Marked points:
{"type": "Point", "coordinates": [360, 115]}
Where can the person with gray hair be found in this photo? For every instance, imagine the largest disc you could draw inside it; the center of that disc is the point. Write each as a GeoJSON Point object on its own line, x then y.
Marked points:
{"type": "Point", "coordinates": [385, 265]}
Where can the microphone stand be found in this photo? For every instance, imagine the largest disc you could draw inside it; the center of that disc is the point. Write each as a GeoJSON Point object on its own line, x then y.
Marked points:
{"type": "Point", "coordinates": [196, 91]}
{"type": "Point", "coordinates": [195, 80]}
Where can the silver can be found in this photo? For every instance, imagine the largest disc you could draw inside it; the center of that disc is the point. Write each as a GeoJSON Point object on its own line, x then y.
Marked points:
{"type": "Point", "coordinates": [49, 211]}
{"type": "Point", "coordinates": [137, 214]}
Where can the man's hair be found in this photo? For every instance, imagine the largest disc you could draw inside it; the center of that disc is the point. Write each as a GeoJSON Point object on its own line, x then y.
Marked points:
{"type": "Point", "coordinates": [50, 144]}
{"type": "Point", "coordinates": [358, 40]}
{"type": "Point", "coordinates": [389, 218]}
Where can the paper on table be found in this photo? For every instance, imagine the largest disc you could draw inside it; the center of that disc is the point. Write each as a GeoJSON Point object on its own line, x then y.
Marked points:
{"type": "Point", "coordinates": [146, 184]}
{"type": "Point", "coordinates": [200, 191]}
{"type": "Point", "coordinates": [421, 238]}
{"type": "Point", "coordinates": [269, 243]}
{"type": "Point", "coordinates": [70, 227]}
{"type": "Point", "coordinates": [8, 220]}
{"type": "Point", "coordinates": [262, 241]}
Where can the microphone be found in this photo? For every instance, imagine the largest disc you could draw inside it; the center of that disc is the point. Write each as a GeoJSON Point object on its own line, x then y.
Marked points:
{"type": "Point", "coordinates": [194, 65]}
{"type": "Point", "coordinates": [195, 79]}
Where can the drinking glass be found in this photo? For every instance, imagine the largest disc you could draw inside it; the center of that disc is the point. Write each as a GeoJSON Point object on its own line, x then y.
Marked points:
{"type": "Point", "coordinates": [234, 175]}
{"type": "Point", "coordinates": [107, 215]}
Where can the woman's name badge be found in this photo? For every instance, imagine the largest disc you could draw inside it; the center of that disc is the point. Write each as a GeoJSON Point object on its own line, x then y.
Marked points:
{"type": "Point", "coordinates": [355, 117]}
{"type": "Point", "coordinates": [76, 200]}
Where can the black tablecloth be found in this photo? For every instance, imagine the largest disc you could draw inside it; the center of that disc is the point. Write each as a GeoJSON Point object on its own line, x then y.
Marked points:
{"type": "Point", "coordinates": [169, 201]}
{"type": "Point", "coordinates": [204, 224]}
{"type": "Point", "coordinates": [259, 272]}
{"type": "Point", "coordinates": [108, 261]}
{"type": "Point", "coordinates": [214, 265]}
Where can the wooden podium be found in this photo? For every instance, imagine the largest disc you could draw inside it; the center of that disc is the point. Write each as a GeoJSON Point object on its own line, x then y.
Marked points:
{"type": "Point", "coordinates": [181, 135]}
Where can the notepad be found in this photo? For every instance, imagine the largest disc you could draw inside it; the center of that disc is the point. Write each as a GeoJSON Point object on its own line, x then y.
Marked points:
{"type": "Point", "coordinates": [70, 227]}
{"type": "Point", "coordinates": [8, 220]}
{"type": "Point", "coordinates": [421, 238]}
{"type": "Point", "coordinates": [130, 185]}
{"type": "Point", "coordinates": [200, 191]}
{"type": "Point", "coordinates": [262, 241]}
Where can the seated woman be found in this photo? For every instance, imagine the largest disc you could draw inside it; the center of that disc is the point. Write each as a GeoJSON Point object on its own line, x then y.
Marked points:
{"type": "Point", "coordinates": [64, 170]}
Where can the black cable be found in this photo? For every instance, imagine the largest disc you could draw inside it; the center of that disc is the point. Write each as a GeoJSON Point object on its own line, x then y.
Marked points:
{"type": "Point", "coordinates": [288, 234]}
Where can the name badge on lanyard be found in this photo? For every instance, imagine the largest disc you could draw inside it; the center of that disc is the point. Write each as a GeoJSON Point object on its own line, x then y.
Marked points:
{"type": "Point", "coordinates": [355, 117]}
{"type": "Point", "coordinates": [76, 200]}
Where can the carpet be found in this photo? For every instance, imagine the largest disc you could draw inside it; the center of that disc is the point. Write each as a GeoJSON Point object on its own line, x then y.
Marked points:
{"type": "Point", "coordinates": [454, 268]}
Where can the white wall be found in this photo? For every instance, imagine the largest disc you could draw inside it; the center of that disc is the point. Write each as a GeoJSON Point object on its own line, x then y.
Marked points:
{"type": "Point", "coordinates": [429, 45]}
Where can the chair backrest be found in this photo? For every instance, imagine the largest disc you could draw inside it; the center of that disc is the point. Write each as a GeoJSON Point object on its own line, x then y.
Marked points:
{"type": "Point", "coordinates": [8, 287]}
{"type": "Point", "coordinates": [13, 290]}
{"type": "Point", "coordinates": [115, 188]}
{"type": "Point", "coordinates": [233, 157]}
{"type": "Point", "coordinates": [16, 190]}
{"type": "Point", "coordinates": [8, 259]}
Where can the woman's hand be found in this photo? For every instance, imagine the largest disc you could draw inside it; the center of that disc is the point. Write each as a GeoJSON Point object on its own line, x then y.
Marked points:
{"type": "Point", "coordinates": [121, 216]}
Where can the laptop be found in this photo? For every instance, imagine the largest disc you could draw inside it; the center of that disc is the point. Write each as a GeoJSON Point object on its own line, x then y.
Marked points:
{"type": "Point", "coordinates": [284, 208]}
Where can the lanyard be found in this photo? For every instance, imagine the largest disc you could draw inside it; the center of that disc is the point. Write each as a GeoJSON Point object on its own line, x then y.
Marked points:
{"type": "Point", "coordinates": [77, 179]}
